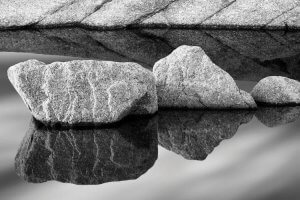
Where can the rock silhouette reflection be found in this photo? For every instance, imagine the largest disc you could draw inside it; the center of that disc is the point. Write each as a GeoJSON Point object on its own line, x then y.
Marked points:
{"type": "Point", "coordinates": [276, 116]}
{"type": "Point", "coordinates": [195, 134]}
{"type": "Point", "coordinates": [246, 55]}
{"type": "Point", "coordinates": [88, 156]}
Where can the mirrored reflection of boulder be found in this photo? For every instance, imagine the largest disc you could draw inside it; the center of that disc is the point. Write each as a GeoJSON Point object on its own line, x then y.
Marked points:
{"type": "Point", "coordinates": [246, 55]}
{"type": "Point", "coordinates": [88, 156]}
{"type": "Point", "coordinates": [195, 134]}
{"type": "Point", "coordinates": [275, 116]}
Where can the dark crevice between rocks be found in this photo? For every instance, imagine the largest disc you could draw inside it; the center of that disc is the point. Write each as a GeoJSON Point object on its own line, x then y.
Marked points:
{"type": "Point", "coordinates": [250, 106]}
{"type": "Point", "coordinates": [97, 8]}
{"type": "Point", "coordinates": [148, 15]}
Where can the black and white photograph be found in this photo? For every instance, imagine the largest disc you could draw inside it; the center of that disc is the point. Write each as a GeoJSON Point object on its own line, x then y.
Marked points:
{"type": "Point", "coordinates": [149, 99]}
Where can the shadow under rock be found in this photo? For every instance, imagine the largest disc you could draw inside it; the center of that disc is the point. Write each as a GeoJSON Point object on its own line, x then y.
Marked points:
{"type": "Point", "coordinates": [246, 55]}
{"type": "Point", "coordinates": [87, 156]}
{"type": "Point", "coordinates": [276, 116]}
{"type": "Point", "coordinates": [195, 134]}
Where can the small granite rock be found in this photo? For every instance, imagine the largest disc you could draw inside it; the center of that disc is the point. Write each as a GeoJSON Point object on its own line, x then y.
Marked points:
{"type": "Point", "coordinates": [277, 90]}
{"type": "Point", "coordinates": [276, 116]}
{"type": "Point", "coordinates": [84, 91]}
{"type": "Point", "coordinates": [188, 78]}
{"type": "Point", "coordinates": [194, 134]}
{"type": "Point", "coordinates": [88, 156]}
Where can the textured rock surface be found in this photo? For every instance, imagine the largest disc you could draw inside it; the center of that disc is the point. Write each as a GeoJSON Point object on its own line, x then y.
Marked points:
{"type": "Point", "coordinates": [88, 156]}
{"type": "Point", "coordinates": [277, 90]}
{"type": "Point", "coordinates": [195, 134]}
{"type": "Point", "coordinates": [84, 91]}
{"type": "Point", "coordinates": [245, 55]}
{"type": "Point", "coordinates": [276, 116]}
{"type": "Point", "coordinates": [188, 78]}
{"type": "Point", "coordinates": [122, 13]}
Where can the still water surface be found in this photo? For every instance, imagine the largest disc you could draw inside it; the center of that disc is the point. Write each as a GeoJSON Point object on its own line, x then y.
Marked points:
{"type": "Point", "coordinates": [193, 155]}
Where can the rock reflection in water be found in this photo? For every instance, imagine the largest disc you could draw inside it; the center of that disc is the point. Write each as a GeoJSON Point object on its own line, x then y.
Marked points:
{"type": "Point", "coordinates": [246, 55]}
{"type": "Point", "coordinates": [276, 116]}
{"type": "Point", "coordinates": [88, 156]}
{"type": "Point", "coordinates": [195, 134]}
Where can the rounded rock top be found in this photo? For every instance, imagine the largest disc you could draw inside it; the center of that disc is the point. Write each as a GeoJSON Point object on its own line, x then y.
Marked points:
{"type": "Point", "coordinates": [277, 90]}
{"type": "Point", "coordinates": [187, 78]}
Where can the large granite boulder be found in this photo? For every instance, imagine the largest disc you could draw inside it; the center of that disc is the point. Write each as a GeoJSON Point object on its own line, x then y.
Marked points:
{"type": "Point", "coordinates": [88, 156]}
{"type": "Point", "coordinates": [277, 90]}
{"type": "Point", "coordinates": [122, 13]}
{"type": "Point", "coordinates": [195, 134]}
{"type": "Point", "coordinates": [188, 78]}
{"type": "Point", "coordinates": [276, 116]}
{"type": "Point", "coordinates": [79, 92]}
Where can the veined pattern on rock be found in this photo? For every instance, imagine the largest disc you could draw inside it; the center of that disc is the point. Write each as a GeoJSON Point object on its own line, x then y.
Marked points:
{"type": "Point", "coordinates": [89, 155]}
{"type": "Point", "coordinates": [84, 91]}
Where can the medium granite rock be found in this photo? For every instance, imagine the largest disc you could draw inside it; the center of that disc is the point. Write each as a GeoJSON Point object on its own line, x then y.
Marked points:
{"type": "Point", "coordinates": [88, 156]}
{"type": "Point", "coordinates": [195, 134]}
{"type": "Point", "coordinates": [88, 91]}
{"type": "Point", "coordinates": [277, 90]}
{"type": "Point", "coordinates": [188, 78]}
{"type": "Point", "coordinates": [276, 116]}
{"type": "Point", "coordinates": [144, 13]}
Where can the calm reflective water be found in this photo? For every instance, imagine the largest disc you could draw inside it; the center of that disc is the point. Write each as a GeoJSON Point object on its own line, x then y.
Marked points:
{"type": "Point", "coordinates": [172, 155]}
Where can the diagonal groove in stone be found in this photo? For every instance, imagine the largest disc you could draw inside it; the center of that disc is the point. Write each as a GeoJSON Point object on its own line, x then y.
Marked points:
{"type": "Point", "coordinates": [211, 16]}
{"type": "Point", "coordinates": [56, 10]}
{"type": "Point", "coordinates": [201, 101]}
{"type": "Point", "coordinates": [60, 39]}
{"type": "Point", "coordinates": [287, 11]}
{"type": "Point", "coordinates": [155, 38]}
{"type": "Point", "coordinates": [229, 47]}
{"type": "Point", "coordinates": [148, 15]}
{"type": "Point", "coordinates": [97, 8]}
{"type": "Point", "coordinates": [88, 36]}
{"type": "Point", "coordinates": [273, 38]}
{"type": "Point", "coordinates": [111, 50]}
{"type": "Point", "coordinates": [287, 44]}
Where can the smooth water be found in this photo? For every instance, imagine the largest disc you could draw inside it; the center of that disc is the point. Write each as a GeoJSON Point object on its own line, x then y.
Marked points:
{"type": "Point", "coordinates": [172, 155]}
